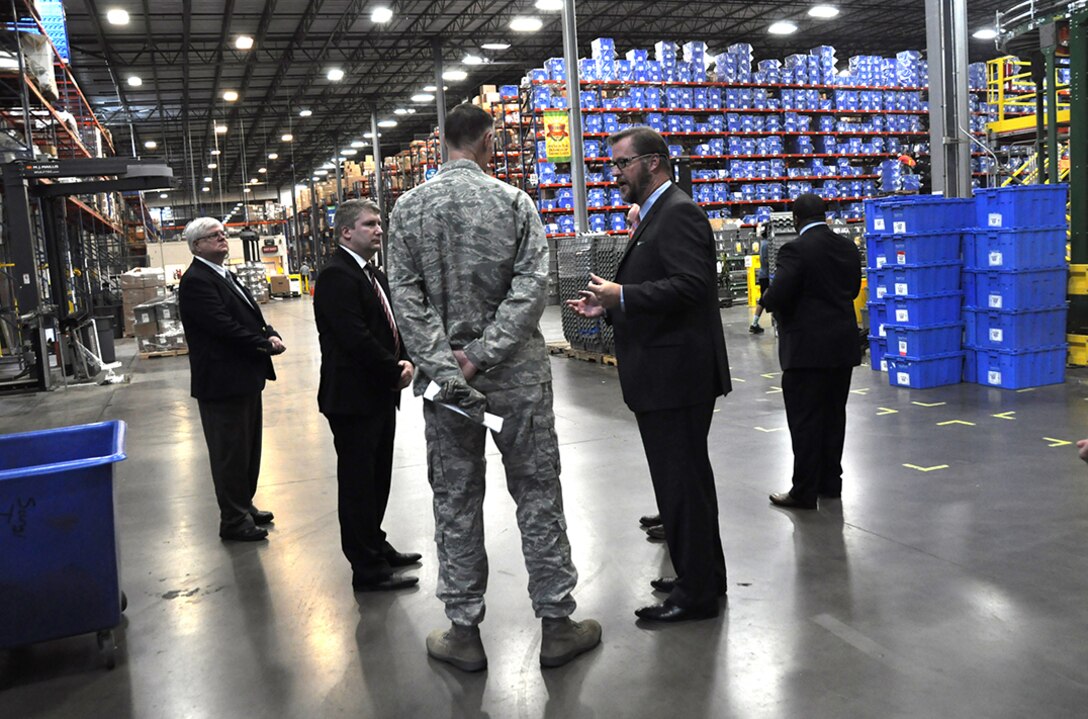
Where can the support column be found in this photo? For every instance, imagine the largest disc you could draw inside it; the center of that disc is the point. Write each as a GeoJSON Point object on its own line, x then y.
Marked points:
{"type": "Point", "coordinates": [378, 184]}
{"type": "Point", "coordinates": [1051, 112]}
{"type": "Point", "coordinates": [439, 97]}
{"type": "Point", "coordinates": [574, 102]}
{"type": "Point", "coordinates": [1078, 189]}
{"type": "Point", "coordinates": [336, 163]}
{"type": "Point", "coordinates": [950, 148]}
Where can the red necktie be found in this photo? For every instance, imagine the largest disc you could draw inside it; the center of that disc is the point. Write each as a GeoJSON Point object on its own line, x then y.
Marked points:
{"type": "Point", "coordinates": [388, 311]}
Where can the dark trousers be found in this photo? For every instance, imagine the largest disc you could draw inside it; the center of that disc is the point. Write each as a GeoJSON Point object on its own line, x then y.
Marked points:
{"type": "Point", "coordinates": [364, 467]}
{"type": "Point", "coordinates": [232, 430]}
{"type": "Point", "coordinates": [816, 412]}
{"type": "Point", "coordinates": [675, 441]}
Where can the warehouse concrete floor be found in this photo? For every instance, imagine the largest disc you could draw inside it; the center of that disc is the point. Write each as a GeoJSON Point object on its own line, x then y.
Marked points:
{"type": "Point", "coordinates": [950, 581]}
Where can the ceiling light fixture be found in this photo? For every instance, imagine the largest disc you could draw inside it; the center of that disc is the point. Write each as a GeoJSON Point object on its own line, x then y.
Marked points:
{"type": "Point", "coordinates": [986, 33]}
{"type": "Point", "coordinates": [358, 143]}
{"type": "Point", "coordinates": [262, 171]}
{"type": "Point", "coordinates": [273, 156]}
{"type": "Point", "coordinates": [135, 81]}
{"type": "Point", "coordinates": [549, 5]}
{"type": "Point", "coordinates": [212, 165]}
{"type": "Point", "coordinates": [230, 95]}
{"type": "Point", "coordinates": [243, 42]}
{"type": "Point", "coordinates": [163, 195]}
{"type": "Point", "coordinates": [287, 137]}
{"type": "Point", "coordinates": [782, 27]}
{"type": "Point", "coordinates": [495, 46]}
{"type": "Point", "coordinates": [117, 16]}
{"type": "Point", "coordinates": [823, 12]}
{"type": "Point", "coordinates": [434, 88]}
{"type": "Point", "coordinates": [381, 15]}
{"type": "Point", "coordinates": [422, 97]}
{"type": "Point", "coordinates": [216, 153]}
{"type": "Point", "coordinates": [321, 173]}
{"type": "Point", "coordinates": [220, 129]}
{"type": "Point", "coordinates": [151, 144]}
{"type": "Point", "coordinates": [454, 75]}
{"type": "Point", "coordinates": [370, 135]}
{"type": "Point", "coordinates": [387, 123]}
{"type": "Point", "coordinates": [305, 113]}
{"type": "Point", "coordinates": [474, 60]}
{"type": "Point", "coordinates": [335, 74]}
{"type": "Point", "coordinates": [207, 179]}
{"type": "Point", "coordinates": [349, 152]}
{"type": "Point", "coordinates": [205, 189]}
{"type": "Point", "coordinates": [246, 189]}
{"type": "Point", "coordinates": [526, 23]}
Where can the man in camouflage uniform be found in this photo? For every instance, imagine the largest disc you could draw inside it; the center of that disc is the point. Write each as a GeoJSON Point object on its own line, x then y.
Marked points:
{"type": "Point", "coordinates": [468, 267]}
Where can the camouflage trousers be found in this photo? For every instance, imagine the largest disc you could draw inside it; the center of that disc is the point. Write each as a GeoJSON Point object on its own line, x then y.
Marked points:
{"type": "Point", "coordinates": [456, 468]}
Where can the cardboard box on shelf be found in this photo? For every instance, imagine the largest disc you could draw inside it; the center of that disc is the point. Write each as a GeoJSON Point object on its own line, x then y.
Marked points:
{"type": "Point", "coordinates": [143, 277]}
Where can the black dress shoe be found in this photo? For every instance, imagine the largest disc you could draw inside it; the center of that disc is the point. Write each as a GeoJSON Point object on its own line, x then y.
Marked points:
{"type": "Point", "coordinates": [403, 559]}
{"type": "Point", "coordinates": [262, 517]}
{"type": "Point", "coordinates": [657, 532]}
{"type": "Point", "coordinates": [650, 521]}
{"type": "Point", "coordinates": [788, 501]}
{"type": "Point", "coordinates": [667, 584]}
{"type": "Point", "coordinates": [669, 612]}
{"type": "Point", "coordinates": [245, 534]}
{"type": "Point", "coordinates": [384, 584]}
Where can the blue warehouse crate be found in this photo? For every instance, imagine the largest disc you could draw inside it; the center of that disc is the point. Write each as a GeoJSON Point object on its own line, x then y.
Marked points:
{"type": "Point", "coordinates": [925, 279]}
{"type": "Point", "coordinates": [934, 309]}
{"type": "Point", "coordinates": [59, 568]}
{"type": "Point", "coordinates": [1027, 249]}
{"type": "Point", "coordinates": [921, 373]}
{"type": "Point", "coordinates": [911, 341]}
{"type": "Point", "coordinates": [1008, 369]}
{"type": "Point", "coordinates": [1014, 289]}
{"type": "Point", "coordinates": [919, 214]}
{"type": "Point", "coordinates": [1021, 206]}
{"type": "Point", "coordinates": [878, 318]}
{"type": "Point", "coordinates": [878, 348]}
{"type": "Point", "coordinates": [1014, 329]}
{"type": "Point", "coordinates": [880, 281]}
{"type": "Point", "coordinates": [917, 249]}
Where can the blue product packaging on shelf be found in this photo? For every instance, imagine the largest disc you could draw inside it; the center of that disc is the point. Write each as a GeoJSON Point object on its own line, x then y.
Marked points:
{"type": "Point", "coordinates": [587, 70]}
{"type": "Point", "coordinates": [1015, 329]}
{"type": "Point", "coordinates": [1015, 289]}
{"type": "Point", "coordinates": [624, 70]}
{"type": "Point", "coordinates": [1030, 367]}
{"type": "Point", "coordinates": [1022, 206]}
{"type": "Point", "coordinates": [666, 51]}
{"type": "Point", "coordinates": [508, 90]}
{"type": "Point", "coordinates": [617, 222]}
{"type": "Point", "coordinates": [922, 373]}
{"type": "Point", "coordinates": [557, 68]}
{"type": "Point", "coordinates": [598, 222]}
{"type": "Point", "coordinates": [638, 55]}
{"type": "Point", "coordinates": [615, 198]}
{"type": "Point", "coordinates": [603, 48]}
{"type": "Point", "coordinates": [1021, 249]}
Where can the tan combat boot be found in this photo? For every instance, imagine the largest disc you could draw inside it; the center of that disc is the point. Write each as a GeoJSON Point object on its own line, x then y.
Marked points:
{"type": "Point", "coordinates": [564, 639]}
{"type": "Point", "coordinates": [459, 646]}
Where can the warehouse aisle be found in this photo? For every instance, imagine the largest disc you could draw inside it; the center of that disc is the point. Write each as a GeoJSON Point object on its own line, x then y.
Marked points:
{"type": "Point", "coordinates": [949, 581]}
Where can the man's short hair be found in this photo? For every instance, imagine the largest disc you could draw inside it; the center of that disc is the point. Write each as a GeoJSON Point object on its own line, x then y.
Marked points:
{"type": "Point", "coordinates": [809, 206]}
{"type": "Point", "coordinates": [644, 140]}
{"type": "Point", "coordinates": [467, 124]}
{"type": "Point", "coordinates": [348, 213]}
{"type": "Point", "coordinates": [200, 227]}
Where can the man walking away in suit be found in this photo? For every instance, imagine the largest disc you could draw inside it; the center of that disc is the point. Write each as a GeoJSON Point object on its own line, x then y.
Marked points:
{"type": "Point", "coordinates": [672, 364]}
{"type": "Point", "coordinates": [363, 369]}
{"type": "Point", "coordinates": [816, 278]}
{"type": "Point", "coordinates": [230, 357]}
{"type": "Point", "coordinates": [468, 263]}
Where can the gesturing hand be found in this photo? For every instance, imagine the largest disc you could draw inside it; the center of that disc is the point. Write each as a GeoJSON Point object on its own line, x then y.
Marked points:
{"type": "Point", "coordinates": [586, 305]}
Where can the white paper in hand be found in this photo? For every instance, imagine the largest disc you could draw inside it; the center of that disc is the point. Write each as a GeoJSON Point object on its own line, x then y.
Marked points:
{"type": "Point", "coordinates": [492, 421]}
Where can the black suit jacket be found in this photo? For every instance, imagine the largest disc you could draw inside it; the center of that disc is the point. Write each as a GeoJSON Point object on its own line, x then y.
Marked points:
{"type": "Point", "coordinates": [359, 366]}
{"type": "Point", "coordinates": [229, 349]}
{"type": "Point", "coordinates": [816, 278]}
{"type": "Point", "coordinates": [669, 338]}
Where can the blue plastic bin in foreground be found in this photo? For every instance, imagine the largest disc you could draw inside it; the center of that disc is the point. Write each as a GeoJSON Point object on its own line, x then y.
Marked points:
{"type": "Point", "coordinates": [59, 568]}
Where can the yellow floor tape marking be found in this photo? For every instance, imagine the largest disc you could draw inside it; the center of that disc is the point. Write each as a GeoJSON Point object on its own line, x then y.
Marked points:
{"type": "Point", "coordinates": [930, 404]}
{"type": "Point", "coordinates": [772, 429]}
{"type": "Point", "coordinates": [1006, 415]}
{"type": "Point", "coordinates": [955, 421]}
{"type": "Point", "coordinates": [773, 390]}
{"type": "Point", "coordinates": [926, 469]}
{"type": "Point", "coordinates": [771, 375]}
{"type": "Point", "coordinates": [1056, 442]}
{"type": "Point", "coordinates": [886, 410]}
{"type": "Point", "coordinates": [863, 390]}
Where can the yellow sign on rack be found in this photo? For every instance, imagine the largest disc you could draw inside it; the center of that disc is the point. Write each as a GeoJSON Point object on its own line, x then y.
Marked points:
{"type": "Point", "coordinates": [557, 136]}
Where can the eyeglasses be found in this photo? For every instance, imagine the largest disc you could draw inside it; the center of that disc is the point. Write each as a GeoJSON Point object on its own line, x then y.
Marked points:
{"type": "Point", "coordinates": [621, 163]}
{"type": "Point", "coordinates": [213, 236]}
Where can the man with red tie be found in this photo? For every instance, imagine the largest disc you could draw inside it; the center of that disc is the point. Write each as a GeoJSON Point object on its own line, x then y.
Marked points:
{"type": "Point", "coordinates": [363, 369]}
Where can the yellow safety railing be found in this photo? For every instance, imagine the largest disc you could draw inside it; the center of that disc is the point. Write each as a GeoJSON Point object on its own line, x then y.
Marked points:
{"type": "Point", "coordinates": [1011, 91]}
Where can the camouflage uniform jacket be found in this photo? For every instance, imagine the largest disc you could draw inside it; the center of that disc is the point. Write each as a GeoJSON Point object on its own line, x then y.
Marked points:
{"type": "Point", "coordinates": [468, 269]}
